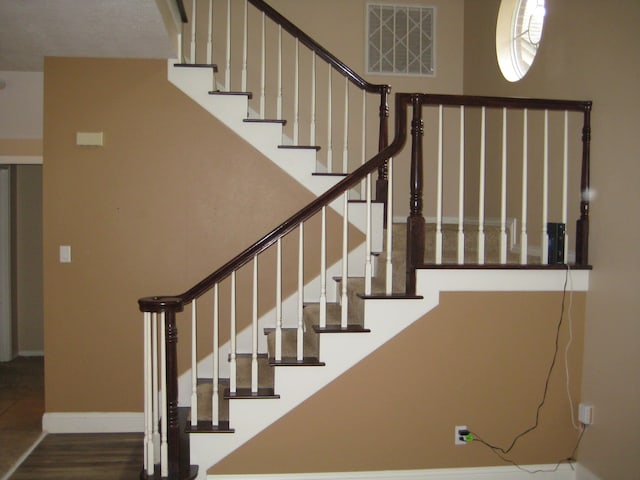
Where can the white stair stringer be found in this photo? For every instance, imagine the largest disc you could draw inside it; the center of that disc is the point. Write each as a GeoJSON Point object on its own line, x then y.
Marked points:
{"type": "Point", "coordinates": [296, 384]}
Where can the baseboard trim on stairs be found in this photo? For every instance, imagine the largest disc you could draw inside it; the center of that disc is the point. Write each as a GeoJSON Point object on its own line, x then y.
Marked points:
{"type": "Point", "coordinates": [563, 472]}
{"type": "Point", "coordinates": [93, 422]}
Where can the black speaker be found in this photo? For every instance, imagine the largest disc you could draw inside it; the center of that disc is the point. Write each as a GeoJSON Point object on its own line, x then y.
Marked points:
{"type": "Point", "coordinates": [556, 232]}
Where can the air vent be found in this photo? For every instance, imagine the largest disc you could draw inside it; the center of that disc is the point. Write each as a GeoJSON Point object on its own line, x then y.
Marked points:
{"type": "Point", "coordinates": [400, 40]}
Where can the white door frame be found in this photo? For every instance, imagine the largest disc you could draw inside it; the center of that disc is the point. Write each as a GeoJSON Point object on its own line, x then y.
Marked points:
{"type": "Point", "coordinates": [6, 334]}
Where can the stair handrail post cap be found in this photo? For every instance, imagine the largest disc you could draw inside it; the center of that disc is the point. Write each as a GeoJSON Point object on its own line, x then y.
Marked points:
{"type": "Point", "coordinates": [159, 304]}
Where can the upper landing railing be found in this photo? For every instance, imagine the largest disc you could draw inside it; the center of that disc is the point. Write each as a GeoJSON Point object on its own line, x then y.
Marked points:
{"type": "Point", "coordinates": [258, 50]}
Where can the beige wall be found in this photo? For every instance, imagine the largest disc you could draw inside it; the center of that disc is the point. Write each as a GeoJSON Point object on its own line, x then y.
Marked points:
{"type": "Point", "coordinates": [478, 359]}
{"type": "Point", "coordinates": [170, 197]}
{"type": "Point", "coordinates": [591, 52]}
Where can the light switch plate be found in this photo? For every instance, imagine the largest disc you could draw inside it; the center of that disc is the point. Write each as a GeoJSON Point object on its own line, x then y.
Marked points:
{"type": "Point", "coordinates": [65, 254]}
{"type": "Point", "coordinates": [89, 139]}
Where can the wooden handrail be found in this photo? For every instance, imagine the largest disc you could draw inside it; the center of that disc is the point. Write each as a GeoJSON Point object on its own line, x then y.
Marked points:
{"type": "Point", "coordinates": [505, 102]}
{"type": "Point", "coordinates": [160, 303]}
{"type": "Point", "coordinates": [183, 11]}
{"type": "Point", "coordinates": [317, 48]}
{"type": "Point", "coordinates": [309, 42]}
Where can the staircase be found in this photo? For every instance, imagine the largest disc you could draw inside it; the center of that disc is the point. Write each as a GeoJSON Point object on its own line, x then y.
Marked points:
{"type": "Point", "coordinates": [272, 362]}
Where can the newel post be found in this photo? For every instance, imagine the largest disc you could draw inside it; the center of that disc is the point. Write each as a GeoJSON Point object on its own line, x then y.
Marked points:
{"type": "Point", "coordinates": [582, 226]}
{"type": "Point", "coordinates": [164, 416]}
{"type": "Point", "coordinates": [415, 221]}
{"type": "Point", "coordinates": [383, 142]}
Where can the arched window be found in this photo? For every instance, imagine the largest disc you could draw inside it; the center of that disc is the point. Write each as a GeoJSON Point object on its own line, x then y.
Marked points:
{"type": "Point", "coordinates": [518, 35]}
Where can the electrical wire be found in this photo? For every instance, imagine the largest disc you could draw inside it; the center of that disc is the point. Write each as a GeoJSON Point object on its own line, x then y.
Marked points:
{"type": "Point", "coordinates": [504, 451]}
{"type": "Point", "coordinates": [569, 460]}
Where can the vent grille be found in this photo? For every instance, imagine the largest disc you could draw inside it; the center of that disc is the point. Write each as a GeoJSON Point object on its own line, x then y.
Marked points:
{"type": "Point", "coordinates": [401, 39]}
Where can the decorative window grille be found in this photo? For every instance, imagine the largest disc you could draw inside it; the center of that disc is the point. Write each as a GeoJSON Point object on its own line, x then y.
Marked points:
{"type": "Point", "coordinates": [400, 39]}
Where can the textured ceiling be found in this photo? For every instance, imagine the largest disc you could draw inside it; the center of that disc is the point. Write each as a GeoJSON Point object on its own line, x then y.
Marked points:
{"type": "Point", "coordinates": [33, 29]}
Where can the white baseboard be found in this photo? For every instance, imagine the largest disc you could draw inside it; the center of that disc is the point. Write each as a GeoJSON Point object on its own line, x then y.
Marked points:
{"type": "Point", "coordinates": [93, 422]}
{"type": "Point", "coordinates": [564, 472]}
{"type": "Point", "coordinates": [583, 473]}
{"type": "Point", "coordinates": [31, 353]}
{"type": "Point", "coordinates": [21, 159]}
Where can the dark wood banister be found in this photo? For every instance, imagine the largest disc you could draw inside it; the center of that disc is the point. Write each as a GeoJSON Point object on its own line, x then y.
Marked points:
{"type": "Point", "coordinates": [159, 303]}
{"type": "Point", "coordinates": [182, 11]}
{"type": "Point", "coordinates": [506, 102]}
{"type": "Point", "coordinates": [415, 221]}
{"type": "Point", "coordinates": [309, 42]}
{"type": "Point", "coordinates": [319, 49]}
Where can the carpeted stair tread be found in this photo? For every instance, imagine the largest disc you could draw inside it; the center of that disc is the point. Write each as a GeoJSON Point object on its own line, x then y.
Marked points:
{"type": "Point", "coordinates": [205, 391]}
{"type": "Point", "coordinates": [290, 342]}
{"type": "Point", "coordinates": [243, 371]}
{"type": "Point", "coordinates": [334, 311]}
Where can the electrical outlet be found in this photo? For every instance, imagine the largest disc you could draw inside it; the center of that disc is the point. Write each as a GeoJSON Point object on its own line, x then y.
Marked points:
{"type": "Point", "coordinates": [459, 437]}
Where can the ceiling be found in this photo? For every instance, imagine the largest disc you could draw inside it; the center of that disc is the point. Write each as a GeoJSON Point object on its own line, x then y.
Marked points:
{"type": "Point", "coordinates": [33, 29]}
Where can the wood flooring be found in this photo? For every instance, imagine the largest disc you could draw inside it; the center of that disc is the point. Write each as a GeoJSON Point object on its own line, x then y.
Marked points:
{"type": "Point", "coordinates": [21, 408]}
{"type": "Point", "coordinates": [113, 456]}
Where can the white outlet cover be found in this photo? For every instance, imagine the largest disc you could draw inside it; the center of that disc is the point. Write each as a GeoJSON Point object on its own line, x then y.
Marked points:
{"type": "Point", "coordinates": [457, 437]}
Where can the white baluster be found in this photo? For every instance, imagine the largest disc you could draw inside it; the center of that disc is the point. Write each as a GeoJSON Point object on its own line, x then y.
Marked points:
{"type": "Point", "coordinates": [278, 332]}
{"type": "Point", "coordinates": [148, 398]}
{"type": "Point", "coordinates": [525, 153]}
{"type": "Point", "coordinates": [344, 299]}
{"type": "Point", "coordinates": [194, 365]}
{"type": "Point", "coordinates": [565, 182]}
{"type": "Point", "coordinates": [296, 95]}
{"type": "Point", "coordinates": [232, 337]}
{"type": "Point", "coordinates": [438, 258]}
{"type": "Point", "coordinates": [210, 35]}
{"type": "Point", "coordinates": [164, 446]}
{"type": "Point", "coordinates": [363, 158]}
{"type": "Point", "coordinates": [245, 46]}
{"type": "Point", "coordinates": [461, 192]}
{"type": "Point", "coordinates": [544, 256]}
{"type": "Point", "coordinates": [312, 126]}
{"type": "Point", "coordinates": [368, 270]}
{"type": "Point", "coordinates": [180, 48]}
{"type": "Point", "coordinates": [263, 66]}
{"type": "Point", "coordinates": [345, 148]}
{"type": "Point", "coordinates": [156, 387]}
{"type": "Point", "coordinates": [254, 329]}
{"type": "Point", "coordinates": [482, 187]}
{"type": "Point", "coordinates": [330, 121]}
{"type": "Point", "coordinates": [389, 231]}
{"type": "Point", "coordinates": [300, 331]}
{"type": "Point", "coordinates": [323, 269]}
{"type": "Point", "coordinates": [193, 32]}
{"type": "Point", "coordinates": [279, 99]}
{"type": "Point", "coordinates": [215, 406]}
{"type": "Point", "coordinates": [503, 192]}
{"type": "Point", "coordinates": [227, 71]}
